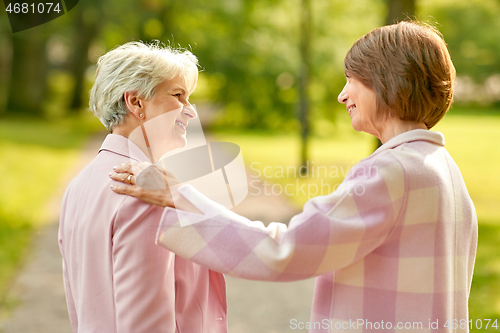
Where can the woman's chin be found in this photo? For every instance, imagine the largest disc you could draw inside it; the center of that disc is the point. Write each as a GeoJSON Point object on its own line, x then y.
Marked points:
{"type": "Point", "coordinates": [181, 142]}
{"type": "Point", "coordinates": [355, 126]}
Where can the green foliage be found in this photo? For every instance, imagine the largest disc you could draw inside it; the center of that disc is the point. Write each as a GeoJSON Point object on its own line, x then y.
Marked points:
{"type": "Point", "coordinates": [249, 50]}
{"type": "Point", "coordinates": [254, 48]}
{"type": "Point", "coordinates": [472, 31]}
{"type": "Point", "coordinates": [485, 292]}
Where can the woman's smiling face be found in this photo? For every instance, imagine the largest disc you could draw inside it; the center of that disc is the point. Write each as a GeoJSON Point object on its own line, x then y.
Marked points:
{"type": "Point", "coordinates": [361, 103]}
{"type": "Point", "coordinates": [170, 106]}
{"type": "Point", "coordinates": [167, 115]}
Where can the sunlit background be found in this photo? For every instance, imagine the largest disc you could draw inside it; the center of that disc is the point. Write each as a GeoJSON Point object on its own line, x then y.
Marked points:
{"type": "Point", "coordinates": [252, 55]}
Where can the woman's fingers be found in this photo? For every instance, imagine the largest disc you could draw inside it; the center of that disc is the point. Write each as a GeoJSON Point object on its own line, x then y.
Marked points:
{"type": "Point", "coordinates": [131, 167]}
{"type": "Point", "coordinates": [127, 190]}
{"type": "Point", "coordinates": [143, 174]}
{"type": "Point", "coordinates": [127, 172]}
{"type": "Point", "coordinates": [123, 168]}
{"type": "Point", "coordinates": [123, 177]}
{"type": "Point", "coordinates": [162, 198]}
{"type": "Point", "coordinates": [152, 187]}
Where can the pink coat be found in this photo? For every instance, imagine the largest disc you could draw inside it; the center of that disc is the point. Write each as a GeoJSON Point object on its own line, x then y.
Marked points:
{"type": "Point", "coordinates": [116, 278]}
{"type": "Point", "coordinates": [393, 247]}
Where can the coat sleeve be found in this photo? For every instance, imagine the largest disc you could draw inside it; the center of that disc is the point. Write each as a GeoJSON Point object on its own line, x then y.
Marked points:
{"type": "Point", "coordinates": [143, 277]}
{"type": "Point", "coordinates": [332, 232]}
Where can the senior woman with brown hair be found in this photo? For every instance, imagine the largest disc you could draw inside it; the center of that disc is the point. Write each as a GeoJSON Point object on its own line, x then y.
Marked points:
{"type": "Point", "coordinates": [393, 248]}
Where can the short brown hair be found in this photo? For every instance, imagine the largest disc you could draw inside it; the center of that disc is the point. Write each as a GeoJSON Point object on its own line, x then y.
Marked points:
{"type": "Point", "coordinates": [409, 68]}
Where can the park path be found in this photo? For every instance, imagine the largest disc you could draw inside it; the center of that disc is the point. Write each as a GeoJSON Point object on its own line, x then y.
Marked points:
{"type": "Point", "coordinates": [260, 307]}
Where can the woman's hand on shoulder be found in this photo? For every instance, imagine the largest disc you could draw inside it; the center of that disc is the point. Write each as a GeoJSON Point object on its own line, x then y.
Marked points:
{"type": "Point", "coordinates": [146, 182]}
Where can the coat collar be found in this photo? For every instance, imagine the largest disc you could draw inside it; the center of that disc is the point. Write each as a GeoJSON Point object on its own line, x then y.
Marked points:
{"type": "Point", "coordinates": [410, 136]}
{"type": "Point", "coordinates": [122, 146]}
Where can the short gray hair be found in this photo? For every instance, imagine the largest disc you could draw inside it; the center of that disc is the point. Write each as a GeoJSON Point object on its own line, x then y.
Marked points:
{"type": "Point", "coordinates": [140, 67]}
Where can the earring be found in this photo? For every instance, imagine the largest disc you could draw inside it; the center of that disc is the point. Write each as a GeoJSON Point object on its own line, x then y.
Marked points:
{"type": "Point", "coordinates": [141, 115]}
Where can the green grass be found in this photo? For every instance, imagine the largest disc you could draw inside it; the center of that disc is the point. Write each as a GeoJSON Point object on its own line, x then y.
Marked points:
{"type": "Point", "coordinates": [472, 139]}
{"type": "Point", "coordinates": [484, 300]}
{"type": "Point", "coordinates": [34, 157]}
{"type": "Point", "coordinates": [473, 142]}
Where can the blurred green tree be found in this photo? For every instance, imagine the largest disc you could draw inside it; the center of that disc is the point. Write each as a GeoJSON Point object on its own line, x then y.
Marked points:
{"type": "Point", "coordinates": [5, 59]}
{"type": "Point", "coordinates": [86, 29]}
{"type": "Point", "coordinates": [28, 79]}
{"type": "Point", "coordinates": [472, 31]}
{"type": "Point", "coordinates": [304, 73]}
{"type": "Point", "coordinates": [249, 51]}
{"type": "Point", "coordinates": [399, 10]}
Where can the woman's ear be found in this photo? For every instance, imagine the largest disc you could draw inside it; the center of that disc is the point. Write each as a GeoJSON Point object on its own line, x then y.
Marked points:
{"type": "Point", "coordinates": [134, 103]}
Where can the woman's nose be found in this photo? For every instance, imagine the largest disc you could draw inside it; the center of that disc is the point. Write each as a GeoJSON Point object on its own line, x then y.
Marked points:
{"type": "Point", "coordinates": [343, 95]}
{"type": "Point", "coordinates": [190, 111]}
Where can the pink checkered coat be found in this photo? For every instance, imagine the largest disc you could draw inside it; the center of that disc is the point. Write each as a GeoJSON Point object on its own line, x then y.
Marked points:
{"type": "Point", "coordinates": [392, 247]}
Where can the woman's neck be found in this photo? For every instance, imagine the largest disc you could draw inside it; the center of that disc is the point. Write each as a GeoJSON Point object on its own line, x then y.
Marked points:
{"type": "Point", "coordinates": [395, 126]}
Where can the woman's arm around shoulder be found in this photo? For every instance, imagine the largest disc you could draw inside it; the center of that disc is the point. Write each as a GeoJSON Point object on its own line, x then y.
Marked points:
{"type": "Point", "coordinates": [332, 232]}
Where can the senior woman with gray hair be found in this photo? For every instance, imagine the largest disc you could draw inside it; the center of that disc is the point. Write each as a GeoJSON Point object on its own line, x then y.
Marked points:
{"type": "Point", "coordinates": [393, 248]}
{"type": "Point", "coordinates": [116, 278]}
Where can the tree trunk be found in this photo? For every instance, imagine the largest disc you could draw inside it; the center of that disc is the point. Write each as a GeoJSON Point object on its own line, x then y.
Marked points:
{"type": "Point", "coordinates": [28, 75]}
{"type": "Point", "coordinates": [399, 10]}
{"type": "Point", "coordinates": [305, 69]}
{"type": "Point", "coordinates": [85, 34]}
{"type": "Point", "coordinates": [5, 68]}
